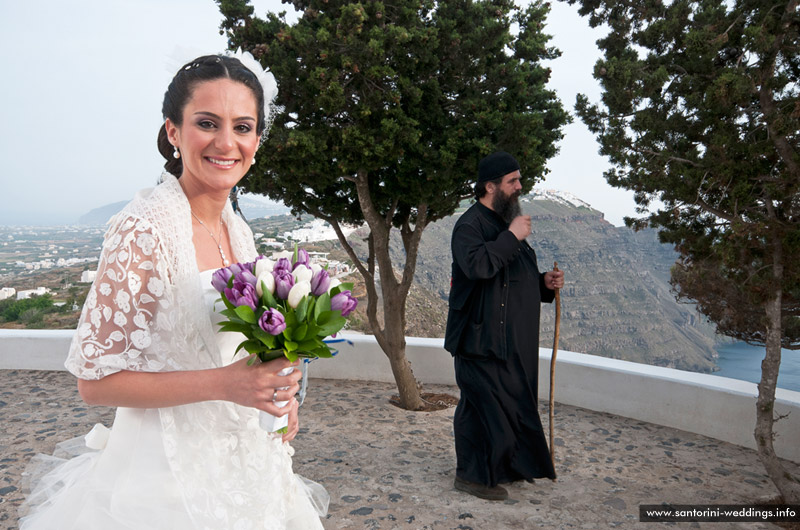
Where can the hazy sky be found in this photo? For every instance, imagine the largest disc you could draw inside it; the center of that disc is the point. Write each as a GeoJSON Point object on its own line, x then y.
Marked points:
{"type": "Point", "coordinates": [84, 83]}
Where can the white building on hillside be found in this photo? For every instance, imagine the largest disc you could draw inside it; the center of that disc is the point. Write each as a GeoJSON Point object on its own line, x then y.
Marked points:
{"type": "Point", "coordinates": [7, 292]}
{"type": "Point", "coordinates": [316, 230]}
{"type": "Point", "coordinates": [88, 276]}
{"type": "Point", "coordinates": [27, 293]}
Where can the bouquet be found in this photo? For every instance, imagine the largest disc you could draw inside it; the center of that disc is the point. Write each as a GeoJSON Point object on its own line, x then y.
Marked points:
{"type": "Point", "coordinates": [283, 308]}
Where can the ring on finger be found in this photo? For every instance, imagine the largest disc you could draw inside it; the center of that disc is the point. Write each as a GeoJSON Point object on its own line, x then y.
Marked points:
{"type": "Point", "coordinates": [275, 395]}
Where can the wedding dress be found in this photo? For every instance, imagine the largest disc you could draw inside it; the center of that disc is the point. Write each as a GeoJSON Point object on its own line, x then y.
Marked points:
{"type": "Point", "coordinates": [206, 465]}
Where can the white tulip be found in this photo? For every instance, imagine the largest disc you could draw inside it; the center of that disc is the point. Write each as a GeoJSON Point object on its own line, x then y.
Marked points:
{"type": "Point", "coordinates": [283, 254]}
{"type": "Point", "coordinates": [302, 273]}
{"type": "Point", "coordinates": [299, 291]}
{"type": "Point", "coordinates": [334, 283]}
{"type": "Point", "coordinates": [267, 279]}
{"type": "Point", "coordinates": [264, 265]}
{"type": "Point", "coordinates": [315, 268]}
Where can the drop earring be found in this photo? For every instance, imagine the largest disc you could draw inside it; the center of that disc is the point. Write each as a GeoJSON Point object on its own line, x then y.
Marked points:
{"type": "Point", "coordinates": [254, 160]}
{"type": "Point", "coordinates": [176, 153]}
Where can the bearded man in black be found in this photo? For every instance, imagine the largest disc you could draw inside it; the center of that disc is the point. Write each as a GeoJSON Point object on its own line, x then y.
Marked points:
{"type": "Point", "coordinates": [493, 335]}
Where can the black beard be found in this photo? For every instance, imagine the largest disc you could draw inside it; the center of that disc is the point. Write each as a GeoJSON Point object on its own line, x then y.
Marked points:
{"type": "Point", "coordinates": [506, 206]}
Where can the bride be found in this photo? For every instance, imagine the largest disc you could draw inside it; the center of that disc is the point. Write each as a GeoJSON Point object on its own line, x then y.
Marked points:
{"type": "Point", "coordinates": [186, 450]}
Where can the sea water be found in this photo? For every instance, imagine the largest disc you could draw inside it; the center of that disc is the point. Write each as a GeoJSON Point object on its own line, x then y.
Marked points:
{"type": "Point", "coordinates": [742, 361]}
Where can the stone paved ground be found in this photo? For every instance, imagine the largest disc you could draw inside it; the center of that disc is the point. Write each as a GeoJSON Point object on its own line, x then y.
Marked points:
{"type": "Point", "coordinates": [387, 468]}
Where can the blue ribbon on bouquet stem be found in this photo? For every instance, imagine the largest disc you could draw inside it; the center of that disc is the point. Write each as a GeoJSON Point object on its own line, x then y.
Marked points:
{"type": "Point", "coordinates": [304, 368]}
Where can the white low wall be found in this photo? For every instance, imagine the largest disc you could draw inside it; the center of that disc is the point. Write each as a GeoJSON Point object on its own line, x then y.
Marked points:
{"type": "Point", "coordinates": [34, 349]}
{"type": "Point", "coordinates": [713, 406]}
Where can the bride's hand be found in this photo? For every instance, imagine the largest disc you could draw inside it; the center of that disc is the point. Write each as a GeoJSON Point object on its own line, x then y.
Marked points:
{"type": "Point", "coordinates": [294, 423]}
{"type": "Point", "coordinates": [259, 386]}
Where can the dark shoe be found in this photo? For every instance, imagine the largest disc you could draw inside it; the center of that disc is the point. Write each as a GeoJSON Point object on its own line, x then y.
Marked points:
{"type": "Point", "coordinates": [497, 493]}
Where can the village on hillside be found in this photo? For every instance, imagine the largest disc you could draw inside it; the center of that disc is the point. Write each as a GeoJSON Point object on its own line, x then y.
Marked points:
{"type": "Point", "coordinates": [45, 272]}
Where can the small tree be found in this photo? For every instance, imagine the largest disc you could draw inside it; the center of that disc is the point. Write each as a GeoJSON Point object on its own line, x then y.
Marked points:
{"type": "Point", "coordinates": [700, 111]}
{"type": "Point", "coordinates": [388, 108]}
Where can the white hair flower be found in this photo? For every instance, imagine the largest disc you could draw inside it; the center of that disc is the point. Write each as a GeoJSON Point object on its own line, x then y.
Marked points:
{"type": "Point", "coordinates": [267, 81]}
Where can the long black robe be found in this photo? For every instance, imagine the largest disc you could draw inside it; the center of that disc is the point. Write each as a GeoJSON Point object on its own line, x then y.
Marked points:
{"type": "Point", "coordinates": [493, 334]}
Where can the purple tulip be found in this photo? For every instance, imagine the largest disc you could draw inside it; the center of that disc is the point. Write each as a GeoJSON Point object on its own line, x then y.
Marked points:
{"type": "Point", "coordinates": [236, 268]}
{"type": "Point", "coordinates": [242, 293]}
{"type": "Point", "coordinates": [303, 258]}
{"type": "Point", "coordinates": [344, 302]}
{"type": "Point", "coordinates": [246, 276]}
{"type": "Point", "coordinates": [219, 280]}
{"type": "Point", "coordinates": [272, 322]}
{"type": "Point", "coordinates": [320, 282]}
{"type": "Point", "coordinates": [284, 281]}
{"type": "Point", "coordinates": [283, 264]}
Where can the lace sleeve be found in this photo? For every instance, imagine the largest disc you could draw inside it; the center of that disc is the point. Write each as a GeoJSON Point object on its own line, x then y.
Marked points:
{"type": "Point", "coordinates": [128, 306]}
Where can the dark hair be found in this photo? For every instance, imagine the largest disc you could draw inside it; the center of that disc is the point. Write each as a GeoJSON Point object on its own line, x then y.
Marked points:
{"type": "Point", "coordinates": [179, 92]}
{"type": "Point", "coordinates": [480, 187]}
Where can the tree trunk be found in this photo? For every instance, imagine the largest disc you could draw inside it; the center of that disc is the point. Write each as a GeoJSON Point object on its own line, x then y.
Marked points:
{"type": "Point", "coordinates": [390, 337]}
{"type": "Point", "coordinates": [395, 348]}
{"type": "Point", "coordinates": [787, 485]}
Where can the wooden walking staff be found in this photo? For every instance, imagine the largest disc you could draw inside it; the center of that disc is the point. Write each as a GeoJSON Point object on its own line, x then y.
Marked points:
{"type": "Point", "coordinates": [553, 368]}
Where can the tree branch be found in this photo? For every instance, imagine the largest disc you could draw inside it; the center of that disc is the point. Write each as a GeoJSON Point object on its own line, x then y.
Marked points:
{"type": "Point", "coordinates": [390, 212]}
{"type": "Point", "coordinates": [372, 296]}
{"type": "Point", "coordinates": [714, 211]}
{"type": "Point", "coordinates": [668, 158]}
{"type": "Point", "coordinates": [412, 248]}
{"type": "Point", "coordinates": [784, 148]}
{"type": "Point", "coordinates": [368, 272]}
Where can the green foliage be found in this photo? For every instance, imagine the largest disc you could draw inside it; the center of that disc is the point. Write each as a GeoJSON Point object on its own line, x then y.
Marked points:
{"type": "Point", "coordinates": [700, 118]}
{"type": "Point", "coordinates": [32, 308]}
{"type": "Point", "coordinates": [409, 94]}
{"type": "Point", "coordinates": [32, 317]}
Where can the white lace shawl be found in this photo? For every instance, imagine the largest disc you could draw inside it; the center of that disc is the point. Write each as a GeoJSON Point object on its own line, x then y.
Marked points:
{"type": "Point", "coordinates": [145, 312]}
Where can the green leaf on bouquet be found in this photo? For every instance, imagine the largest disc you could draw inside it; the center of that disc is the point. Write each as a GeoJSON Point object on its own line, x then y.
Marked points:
{"type": "Point", "coordinates": [330, 322]}
{"type": "Point", "coordinates": [245, 312]}
{"type": "Point", "coordinates": [270, 355]}
{"type": "Point", "coordinates": [225, 300]}
{"type": "Point", "coordinates": [265, 338]}
{"type": "Point", "coordinates": [290, 346]}
{"type": "Point", "coordinates": [312, 303]}
{"type": "Point", "coordinates": [267, 299]}
{"type": "Point", "coordinates": [236, 327]}
{"type": "Point", "coordinates": [312, 331]}
{"type": "Point", "coordinates": [323, 352]}
{"type": "Point", "coordinates": [251, 346]}
{"type": "Point", "coordinates": [300, 332]}
{"type": "Point", "coordinates": [290, 317]}
{"type": "Point", "coordinates": [326, 316]}
{"type": "Point", "coordinates": [302, 308]}
{"type": "Point", "coordinates": [323, 304]}
{"type": "Point", "coordinates": [232, 316]}
{"type": "Point", "coordinates": [307, 346]}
